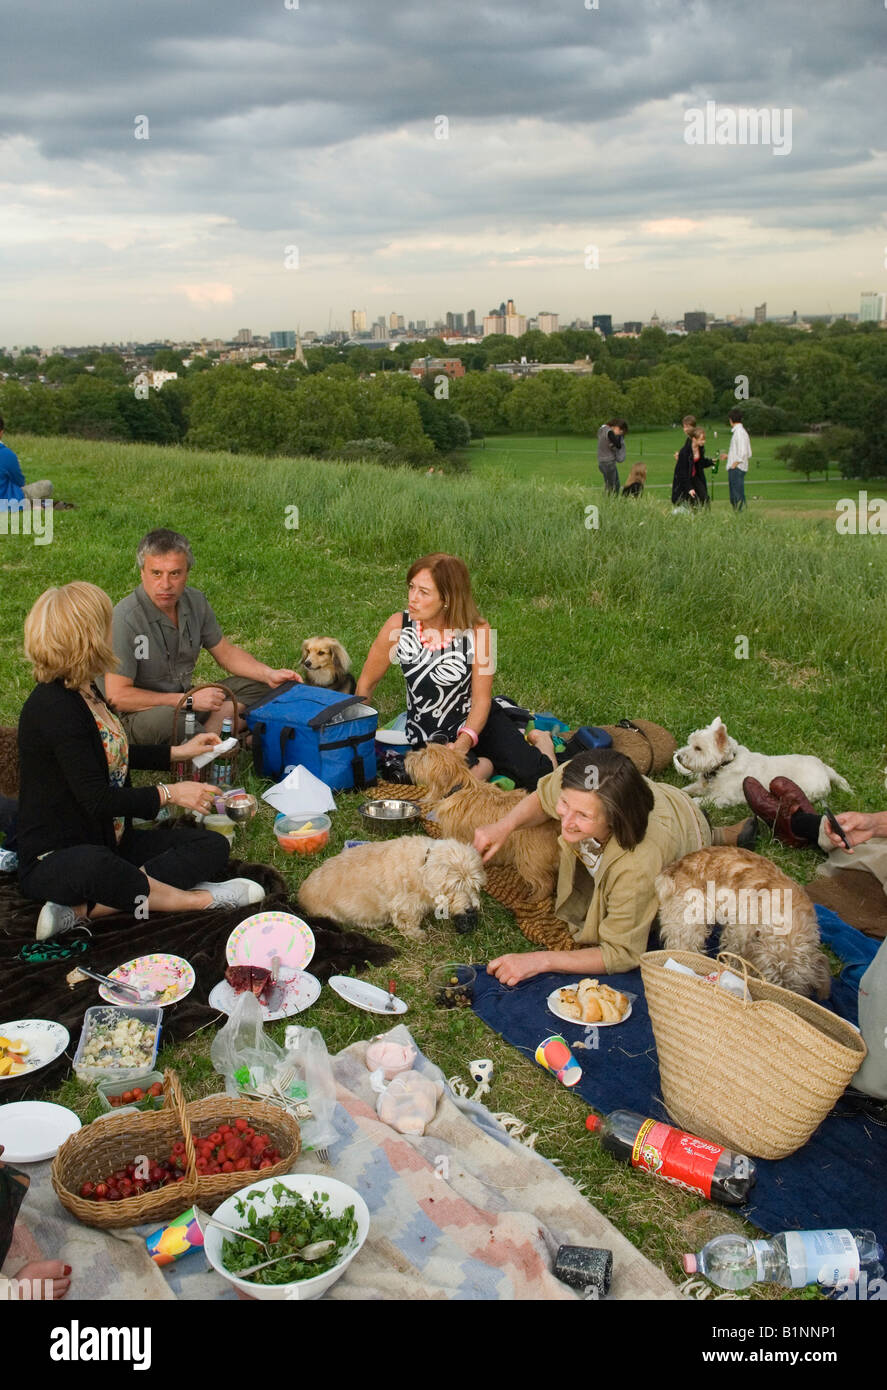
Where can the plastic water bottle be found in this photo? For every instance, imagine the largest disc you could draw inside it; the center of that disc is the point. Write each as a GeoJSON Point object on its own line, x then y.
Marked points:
{"type": "Point", "coordinates": [685, 1160]}
{"type": "Point", "coordinates": [792, 1259]}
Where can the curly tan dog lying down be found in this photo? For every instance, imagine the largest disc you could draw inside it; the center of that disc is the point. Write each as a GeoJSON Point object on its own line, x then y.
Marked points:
{"type": "Point", "coordinates": [398, 881]}
{"type": "Point", "coordinates": [461, 803]}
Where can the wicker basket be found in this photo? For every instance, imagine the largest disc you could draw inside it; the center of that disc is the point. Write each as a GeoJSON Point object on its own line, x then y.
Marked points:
{"type": "Point", "coordinates": [758, 1076]}
{"type": "Point", "coordinates": [106, 1145]}
{"type": "Point", "coordinates": [186, 772]}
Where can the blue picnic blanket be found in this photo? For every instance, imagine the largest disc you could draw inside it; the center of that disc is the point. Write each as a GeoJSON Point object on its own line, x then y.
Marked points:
{"type": "Point", "coordinates": [837, 1179]}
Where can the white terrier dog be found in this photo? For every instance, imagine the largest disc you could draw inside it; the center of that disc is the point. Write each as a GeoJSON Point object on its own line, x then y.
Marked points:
{"type": "Point", "coordinates": [720, 765]}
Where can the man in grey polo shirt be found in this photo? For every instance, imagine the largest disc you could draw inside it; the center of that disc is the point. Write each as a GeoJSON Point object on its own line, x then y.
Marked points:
{"type": "Point", "coordinates": [157, 633]}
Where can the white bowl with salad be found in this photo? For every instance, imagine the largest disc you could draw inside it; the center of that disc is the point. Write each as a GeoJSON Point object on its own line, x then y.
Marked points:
{"type": "Point", "coordinates": [290, 1213]}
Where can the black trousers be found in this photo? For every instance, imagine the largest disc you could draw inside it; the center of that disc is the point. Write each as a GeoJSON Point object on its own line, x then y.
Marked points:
{"type": "Point", "coordinates": [94, 874]}
{"type": "Point", "coordinates": [8, 820]}
{"type": "Point", "coordinates": [503, 743]}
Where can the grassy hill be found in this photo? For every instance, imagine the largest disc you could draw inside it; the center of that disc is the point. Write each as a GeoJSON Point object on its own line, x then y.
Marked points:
{"type": "Point", "coordinates": [640, 617]}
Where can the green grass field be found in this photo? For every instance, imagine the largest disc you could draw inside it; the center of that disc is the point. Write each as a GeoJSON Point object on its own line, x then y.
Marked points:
{"type": "Point", "coordinates": [573, 459]}
{"type": "Point", "coordinates": [640, 617]}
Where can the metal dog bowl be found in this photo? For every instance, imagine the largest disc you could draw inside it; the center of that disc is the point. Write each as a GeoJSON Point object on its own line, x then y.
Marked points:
{"type": "Point", "coordinates": [380, 817]}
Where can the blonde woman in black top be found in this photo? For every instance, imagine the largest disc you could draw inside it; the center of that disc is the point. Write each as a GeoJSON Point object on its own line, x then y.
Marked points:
{"type": "Point", "coordinates": [78, 852]}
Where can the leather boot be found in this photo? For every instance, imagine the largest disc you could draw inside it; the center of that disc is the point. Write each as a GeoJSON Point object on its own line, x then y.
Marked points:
{"type": "Point", "coordinates": [770, 810]}
{"type": "Point", "coordinates": [785, 790]}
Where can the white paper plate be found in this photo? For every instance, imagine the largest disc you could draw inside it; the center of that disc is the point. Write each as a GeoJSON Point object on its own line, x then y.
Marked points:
{"type": "Point", "coordinates": [300, 988]}
{"type": "Point", "coordinates": [32, 1130]}
{"type": "Point", "coordinates": [267, 934]}
{"type": "Point", "coordinates": [46, 1039]}
{"type": "Point", "coordinates": [555, 1008]}
{"type": "Point", "coordinates": [365, 996]}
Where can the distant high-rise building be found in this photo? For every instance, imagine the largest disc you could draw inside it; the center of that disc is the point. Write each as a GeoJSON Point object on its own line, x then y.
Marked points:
{"type": "Point", "coordinates": [380, 332]}
{"type": "Point", "coordinates": [244, 335]}
{"type": "Point", "coordinates": [604, 322]}
{"type": "Point", "coordinates": [493, 323]}
{"type": "Point", "coordinates": [761, 312]}
{"type": "Point", "coordinates": [459, 323]}
{"type": "Point", "coordinates": [392, 320]}
{"type": "Point", "coordinates": [451, 322]}
{"type": "Point", "coordinates": [420, 326]}
{"type": "Point", "coordinates": [471, 321]}
{"type": "Point", "coordinates": [286, 338]}
{"type": "Point", "coordinates": [509, 308]}
{"type": "Point", "coordinates": [694, 321]}
{"type": "Point", "coordinates": [872, 306]}
{"type": "Point", "coordinates": [515, 324]}
{"type": "Point", "coordinates": [546, 322]}
{"type": "Point", "coordinates": [632, 326]}
{"type": "Point", "coordinates": [501, 310]}
{"type": "Point", "coordinates": [358, 320]}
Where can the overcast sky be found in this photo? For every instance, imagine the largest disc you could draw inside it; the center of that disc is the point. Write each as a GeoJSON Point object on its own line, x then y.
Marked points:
{"type": "Point", "coordinates": [317, 128]}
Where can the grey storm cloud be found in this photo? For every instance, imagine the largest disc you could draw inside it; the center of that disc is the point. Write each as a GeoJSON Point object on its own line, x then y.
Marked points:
{"type": "Point", "coordinates": [316, 123]}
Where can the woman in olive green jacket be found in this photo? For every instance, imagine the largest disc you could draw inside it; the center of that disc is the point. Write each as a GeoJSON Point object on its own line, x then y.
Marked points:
{"type": "Point", "coordinates": [618, 831]}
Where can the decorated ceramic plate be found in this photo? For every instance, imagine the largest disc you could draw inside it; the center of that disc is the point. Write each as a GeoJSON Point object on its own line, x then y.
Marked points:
{"type": "Point", "coordinates": [44, 1040]}
{"type": "Point", "coordinates": [555, 1007]}
{"type": "Point", "coordinates": [267, 934]}
{"type": "Point", "coordinates": [365, 996]}
{"type": "Point", "coordinates": [171, 974]}
{"type": "Point", "coordinates": [294, 992]}
{"type": "Point", "coordinates": [32, 1130]}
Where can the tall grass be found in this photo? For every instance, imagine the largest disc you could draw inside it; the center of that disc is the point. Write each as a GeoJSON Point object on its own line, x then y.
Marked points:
{"type": "Point", "coordinates": [639, 617]}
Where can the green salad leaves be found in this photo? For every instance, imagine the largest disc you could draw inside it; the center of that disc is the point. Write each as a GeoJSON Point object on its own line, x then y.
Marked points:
{"type": "Point", "coordinates": [294, 1225]}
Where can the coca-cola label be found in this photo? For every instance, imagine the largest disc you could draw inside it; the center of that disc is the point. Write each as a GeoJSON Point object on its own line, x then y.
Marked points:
{"type": "Point", "coordinates": [675, 1156]}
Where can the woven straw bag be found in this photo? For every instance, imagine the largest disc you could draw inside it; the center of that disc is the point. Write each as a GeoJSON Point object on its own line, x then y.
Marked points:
{"type": "Point", "coordinates": [109, 1144]}
{"type": "Point", "coordinates": [757, 1075]}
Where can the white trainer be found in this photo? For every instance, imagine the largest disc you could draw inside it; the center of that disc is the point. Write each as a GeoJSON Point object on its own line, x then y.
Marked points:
{"type": "Point", "coordinates": [234, 892]}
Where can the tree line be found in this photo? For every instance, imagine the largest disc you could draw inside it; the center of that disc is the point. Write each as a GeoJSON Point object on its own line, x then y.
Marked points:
{"type": "Point", "coordinates": [357, 401]}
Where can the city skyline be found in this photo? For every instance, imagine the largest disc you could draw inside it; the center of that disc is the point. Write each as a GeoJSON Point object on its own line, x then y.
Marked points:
{"type": "Point", "coordinates": [284, 166]}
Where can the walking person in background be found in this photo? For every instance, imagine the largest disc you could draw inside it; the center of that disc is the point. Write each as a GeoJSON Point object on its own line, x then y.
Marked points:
{"type": "Point", "coordinates": [611, 452]}
{"type": "Point", "coordinates": [737, 460]}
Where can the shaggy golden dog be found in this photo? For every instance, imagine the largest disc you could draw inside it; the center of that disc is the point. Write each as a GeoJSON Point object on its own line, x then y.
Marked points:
{"type": "Point", "coordinates": [398, 881]}
{"type": "Point", "coordinates": [461, 803]}
{"type": "Point", "coordinates": [326, 662]}
{"type": "Point", "coordinates": [766, 916]}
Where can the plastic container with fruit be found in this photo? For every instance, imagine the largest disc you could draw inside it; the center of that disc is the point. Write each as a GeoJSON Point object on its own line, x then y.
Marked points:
{"type": "Point", "coordinates": [144, 1094]}
{"type": "Point", "coordinates": [302, 834]}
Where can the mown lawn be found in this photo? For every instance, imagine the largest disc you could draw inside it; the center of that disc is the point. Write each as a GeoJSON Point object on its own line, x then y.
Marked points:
{"type": "Point", "coordinates": [770, 485]}
{"type": "Point", "coordinates": [640, 617]}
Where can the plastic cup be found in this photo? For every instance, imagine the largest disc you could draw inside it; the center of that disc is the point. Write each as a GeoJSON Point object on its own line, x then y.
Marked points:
{"type": "Point", "coordinates": [554, 1054]}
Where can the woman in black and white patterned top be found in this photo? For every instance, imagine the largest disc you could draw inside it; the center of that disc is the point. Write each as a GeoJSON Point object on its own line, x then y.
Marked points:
{"type": "Point", "coordinates": [446, 651]}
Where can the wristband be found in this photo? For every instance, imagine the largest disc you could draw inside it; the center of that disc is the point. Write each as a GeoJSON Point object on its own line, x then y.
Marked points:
{"type": "Point", "coordinates": [165, 794]}
{"type": "Point", "coordinates": [471, 734]}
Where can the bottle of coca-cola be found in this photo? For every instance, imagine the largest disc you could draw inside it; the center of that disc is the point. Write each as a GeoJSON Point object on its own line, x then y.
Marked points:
{"type": "Point", "coordinates": [683, 1159]}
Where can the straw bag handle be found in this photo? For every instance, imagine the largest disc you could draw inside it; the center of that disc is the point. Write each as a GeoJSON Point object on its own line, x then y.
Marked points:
{"type": "Point", "coordinates": [186, 695]}
{"type": "Point", "coordinates": [724, 956]}
{"type": "Point", "coordinates": [174, 1100]}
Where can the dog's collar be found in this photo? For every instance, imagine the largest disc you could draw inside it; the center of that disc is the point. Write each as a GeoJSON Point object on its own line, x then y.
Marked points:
{"type": "Point", "coordinates": [707, 776]}
{"type": "Point", "coordinates": [456, 787]}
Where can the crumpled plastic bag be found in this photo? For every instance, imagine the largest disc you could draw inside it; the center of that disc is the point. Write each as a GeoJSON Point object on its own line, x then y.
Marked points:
{"type": "Point", "coordinates": [241, 1051]}
{"type": "Point", "coordinates": [391, 1057]}
{"type": "Point", "coordinates": [408, 1103]}
{"type": "Point", "coordinates": [249, 1060]}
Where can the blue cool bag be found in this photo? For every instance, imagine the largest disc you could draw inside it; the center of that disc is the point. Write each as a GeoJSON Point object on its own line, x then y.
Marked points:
{"type": "Point", "coordinates": [309, 725]}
